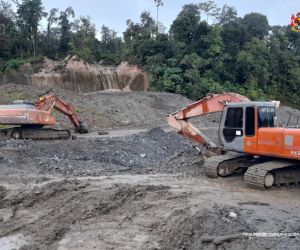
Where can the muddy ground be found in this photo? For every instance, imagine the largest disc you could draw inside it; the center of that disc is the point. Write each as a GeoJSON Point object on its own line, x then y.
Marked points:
{"type": "Point", "coordinates": [139, 187]}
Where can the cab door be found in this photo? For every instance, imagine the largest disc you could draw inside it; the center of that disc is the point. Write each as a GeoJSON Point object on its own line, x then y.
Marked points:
{"type": "Point", "coordinates": [232, 132]}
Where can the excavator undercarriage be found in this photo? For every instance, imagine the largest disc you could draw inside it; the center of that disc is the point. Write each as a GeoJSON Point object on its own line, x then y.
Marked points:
{"type": "Point", "coordinates": [274, 172]}
{"type": "Point", "coordinates": [259, 173]}
{"type": "Point", "coordinates": [34, 133]}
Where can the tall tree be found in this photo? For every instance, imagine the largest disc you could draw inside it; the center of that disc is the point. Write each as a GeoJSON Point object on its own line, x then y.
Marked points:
{"type": "Point", "coordinates": [7, 27]}
{"type": "Point", "coordinates": [110, 46]}
{"type": "Point", "coordinates": [158, 4]}
{"type": "Point", "coordinates": [49, 45]}
{"type": "Point", "coordinates": [257, 25]}
{"type": "Point", "coordinates": [84, 43]}
{"type": "Point", "coordinates": [65, 27]}
{"type": "Point", "coordinates": [228, 14]}
{"type": "Point", "coordinates": [52, 18]}
{"type": "Point", "coordinates": [210, 9]}
{"type": "Point", "coordinates": [187, 30]}
{"type": "Point", "coordinates": [30, 13]}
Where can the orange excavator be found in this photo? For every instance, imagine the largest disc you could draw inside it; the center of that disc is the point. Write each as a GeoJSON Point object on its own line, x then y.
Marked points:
{"type": "Point", "coordinates": [249, 141]}
{"type": "Point", "coordinates": [31, 118]}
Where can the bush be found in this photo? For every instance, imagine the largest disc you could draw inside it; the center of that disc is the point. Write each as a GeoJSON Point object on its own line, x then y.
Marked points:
{"type": "Point", "coordinates": [35, 60]}
{"type": "Point", "coordinates": [12, 64]}
{"type": "Point", "coordinates": [204, 87]}
{"type": "Point", "coordinates": [84, 54]}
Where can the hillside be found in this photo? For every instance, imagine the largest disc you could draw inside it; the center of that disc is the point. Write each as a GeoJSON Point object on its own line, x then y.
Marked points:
{"type": "Point", "coordinates": [77, 75]}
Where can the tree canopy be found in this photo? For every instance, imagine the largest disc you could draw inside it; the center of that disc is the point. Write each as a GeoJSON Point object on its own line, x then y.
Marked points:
{"type": "Point", "coordinates": [207, 48]}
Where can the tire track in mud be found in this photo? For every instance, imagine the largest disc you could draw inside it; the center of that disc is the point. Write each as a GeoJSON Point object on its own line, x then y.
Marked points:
{"type": "Point", "coordinates": [46, 213]}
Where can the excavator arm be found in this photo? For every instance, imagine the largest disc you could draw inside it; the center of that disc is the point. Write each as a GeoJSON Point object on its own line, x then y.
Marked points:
{"type": "Point", "coordinates": [47, 103]}
{"type": "Point", "coordinates": [210, 104]}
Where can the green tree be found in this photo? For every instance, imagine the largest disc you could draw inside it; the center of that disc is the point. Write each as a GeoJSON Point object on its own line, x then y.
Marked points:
{"type": "Point", "coordinates": [65, 27]}
{"type": "Point", "coordinates": [256, 24]}
{"type": "Point", "coordinates": [52, 18]}
{"type": "Point", "coordinates": [185, 30]}
{"type": "Point", "coordinates": [234, 36]}
{"type": "Point", "coordinates": [210, 9]}
{"type": "Point", "coordinates": [252, 65]}
{"type": "Point", "coordinates": [227, 14]}
{"type": "Point", "coordinates": [83, 42]}
{"type": "Point", "coordinates": [7, 28]}
{"type": "Point", "coordinates": [29, 14]}
{"type": "Point", "coordinates": [203, 87]}
{"type": "Point", "coordinates": [110, 46]}
{"type": "Point", "coordinates": [140, 40]}
{"type": "Point", "coordinates": [158, 3]}
{"type": "Point", "coordinates": [49, 44]}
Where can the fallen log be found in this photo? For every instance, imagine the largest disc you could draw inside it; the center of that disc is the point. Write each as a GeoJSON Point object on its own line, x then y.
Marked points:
{"type": "Point", "coordinates": [218, 240]}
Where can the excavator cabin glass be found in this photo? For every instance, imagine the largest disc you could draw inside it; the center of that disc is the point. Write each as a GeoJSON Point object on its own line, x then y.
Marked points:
{"type": "Point", "coordinates": [266, 117]}
{"type": "Point", "coordinates": [233, 124]}
{"type": "Point", "coordinates": [234, 118]}
{"type": "Point", "coordinates": [250, 121]}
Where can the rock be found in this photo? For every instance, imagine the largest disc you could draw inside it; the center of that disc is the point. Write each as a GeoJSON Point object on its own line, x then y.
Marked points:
{"type": "Point", "coordinates": [232, 215]}
{"type": "Point", "coordinates": [143, 155]}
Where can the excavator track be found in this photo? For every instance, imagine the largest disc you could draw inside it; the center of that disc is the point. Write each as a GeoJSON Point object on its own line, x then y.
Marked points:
{"type": "Point", "coordinates": [222, 165]}
{"type": "Point", "coordinates": [35, 134]}
{"type": "Point", "coordinates": [276, 172]}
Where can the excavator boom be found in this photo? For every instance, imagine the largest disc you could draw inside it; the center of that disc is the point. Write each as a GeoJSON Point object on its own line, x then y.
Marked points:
{"type": "Point", "coordinates": [47, 103]}
{"type": "Point", "coordinates": [210, 104]}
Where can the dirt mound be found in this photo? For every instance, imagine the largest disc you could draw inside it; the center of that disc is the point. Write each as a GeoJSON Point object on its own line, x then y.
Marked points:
{"type": "Point", "coordinates": [136, 109]}
{"type": "Point", "coordinates": [288, 116]}
{"type": "Point", "coordinates": [188, 163]}
{"type": "Point", "coordinates": [105, 110]}
{"type": "Point", "coordinates": [140, 153]}
{"type": "Point", "coordinates": [185, 228]}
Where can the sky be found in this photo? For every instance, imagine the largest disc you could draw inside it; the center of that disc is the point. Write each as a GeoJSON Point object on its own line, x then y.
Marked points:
{"type": "Point", "coordinates": [114, 13]}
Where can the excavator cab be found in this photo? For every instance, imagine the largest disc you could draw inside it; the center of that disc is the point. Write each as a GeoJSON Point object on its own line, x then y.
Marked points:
{"type": "Point", "coordinates": [241, 121]}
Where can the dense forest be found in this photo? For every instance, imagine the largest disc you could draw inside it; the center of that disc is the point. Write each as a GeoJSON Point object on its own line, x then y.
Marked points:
{"type": "Point", "coordinates": [206, 49]}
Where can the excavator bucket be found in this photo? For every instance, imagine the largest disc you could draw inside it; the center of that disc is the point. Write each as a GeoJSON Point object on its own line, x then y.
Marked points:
{"type": "Point", "coordinates": [82, 129]}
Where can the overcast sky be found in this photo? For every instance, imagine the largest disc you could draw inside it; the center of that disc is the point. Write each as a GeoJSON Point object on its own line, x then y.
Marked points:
{"type": "Point", "coordinates": [114, 13]}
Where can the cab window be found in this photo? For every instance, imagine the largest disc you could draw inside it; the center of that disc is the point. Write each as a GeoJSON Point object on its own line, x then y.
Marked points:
{"type": "Point", "coordinates": [250, 121]}
{"type": "Point", "coordinates": [266, 117]}
{"type": "Point", "coordinates": [234, 118]}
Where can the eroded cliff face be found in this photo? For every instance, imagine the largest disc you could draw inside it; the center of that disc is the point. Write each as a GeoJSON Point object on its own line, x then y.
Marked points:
{"type": "Point", "coordinates": [79, 76]}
